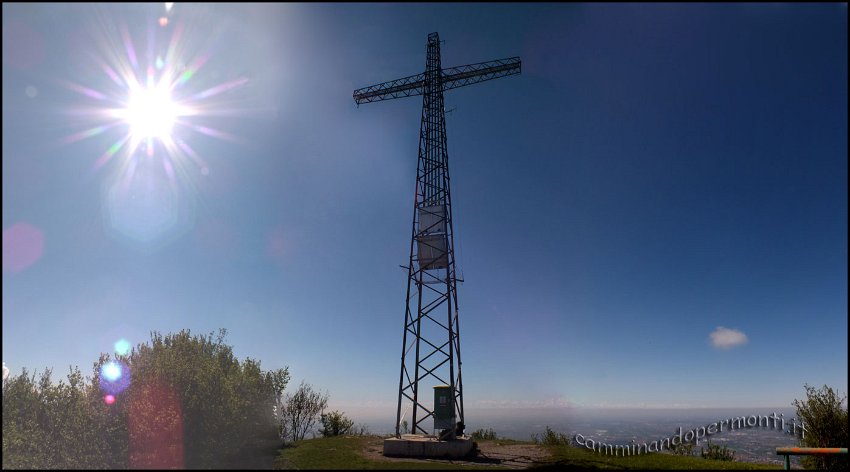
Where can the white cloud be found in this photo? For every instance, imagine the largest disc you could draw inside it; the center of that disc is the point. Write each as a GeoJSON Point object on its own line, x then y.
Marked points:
{"type": "Point", "coordinates": [5, 371]}
{"type": "Point", "coordinates": [725, 338]}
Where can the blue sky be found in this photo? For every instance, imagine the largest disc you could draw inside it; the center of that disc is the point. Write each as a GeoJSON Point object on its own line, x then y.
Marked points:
{"type": "Point", "coordinates": [656, 172]}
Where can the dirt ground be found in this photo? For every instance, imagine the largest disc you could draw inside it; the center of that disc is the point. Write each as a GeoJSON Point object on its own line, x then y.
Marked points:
{"type": "Point", "coordinates": [514, 456]}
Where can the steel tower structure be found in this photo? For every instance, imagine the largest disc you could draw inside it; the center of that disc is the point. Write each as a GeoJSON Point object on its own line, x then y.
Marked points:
{"type": "Point", "coordinates": [431, 342]}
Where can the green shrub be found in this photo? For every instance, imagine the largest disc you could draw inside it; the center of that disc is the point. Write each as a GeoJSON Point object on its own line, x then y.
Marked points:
{"type": "Point", "coordinates": [189, 403]}
{"type": "Point", "coordinates": [484, 434]}
{"type": "Point", "coordinates": [825, 420]}
{"type": "Point", "coordinates": [551, 438]}
{"type": "Point", "coordinates": [60, 426]}
{"type": "Point", "coordinates": [299, 412]}
{"type": "Point", "coordinates": [336, 423]}
{"type": "Point", "coordinates": [717, 453]}
{"type": "Point", "coordinates": [223, 405]}
{"type": "Point", "coordinates": [683, 449]}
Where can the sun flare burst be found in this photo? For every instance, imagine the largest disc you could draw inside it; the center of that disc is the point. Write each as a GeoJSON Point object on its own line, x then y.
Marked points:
{"type": "Point", "coordinates": [147, 101]}
{"type": "Point", "coordinates": [155, 104]}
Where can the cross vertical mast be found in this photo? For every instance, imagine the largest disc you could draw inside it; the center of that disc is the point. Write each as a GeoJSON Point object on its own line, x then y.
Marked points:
{"type": "Point", "coordinates": [431, 339]}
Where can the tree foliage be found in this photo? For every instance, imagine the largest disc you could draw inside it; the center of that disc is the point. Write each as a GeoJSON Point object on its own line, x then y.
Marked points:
{"type": "Point", "coordinates": [824, 415]}
{"type": "Point", "coordinates": [64, 425]}
{"type": "Point", "coordinates": [716, 453]}
{"type": "Point", "coordinates": [336, 423]}
{"type": "Point", "coordinates": [299, 412]}
{"type": "Point", "coordinates": [224, 404]}
{"type": "Point", "coordinates": [683, 449]}
{"type": "Point", "coordinates": [188, 403]}
{"type": "Point", "coordinates": [551, 438]}
{"type": "Point", "coordinates": [481, 434]}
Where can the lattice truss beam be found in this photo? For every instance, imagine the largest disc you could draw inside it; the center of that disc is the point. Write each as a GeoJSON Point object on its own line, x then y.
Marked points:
{"type": "Point", "coordinates": [452, 77]}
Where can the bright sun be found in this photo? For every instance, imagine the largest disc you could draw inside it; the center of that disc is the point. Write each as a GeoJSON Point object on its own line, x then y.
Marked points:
{"type": "Point", "coordinates": [150, 113]}
{"type": "Point", "coordinates": [156, 105]}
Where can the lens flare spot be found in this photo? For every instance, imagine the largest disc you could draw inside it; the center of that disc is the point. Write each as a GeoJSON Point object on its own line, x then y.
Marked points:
{"type": "Point", "coordinates": [163, 21]}
{"type": "Point", "coordinates": [111, 371]}
{"type": "Point", "coordinates": [24, 48]}
{"type": "Point", "coordinates": [144, 208]}
{"type": "Point", "coordinates": [155, 428]}
{"type": "Point", "coordinates": [114, 377]}
{"type": "Point", "coordinates": [122, 347]}
{"type": "Point", "coordinates": [109, 399]}
{"type": "Point", "coordinates": [23, 245]}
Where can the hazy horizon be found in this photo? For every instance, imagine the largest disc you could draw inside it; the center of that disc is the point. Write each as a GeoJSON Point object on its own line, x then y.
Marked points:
{"type": "Point", "coordinates": [584, 413]}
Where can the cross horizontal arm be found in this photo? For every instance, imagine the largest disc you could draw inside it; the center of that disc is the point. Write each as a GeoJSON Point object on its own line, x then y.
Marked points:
{"type": "Point", "coordinates": [413, 85]}
{"type": "Point", "coordinates": [452, 77]}
{"type": "Point", "coordinates": [469, 74]}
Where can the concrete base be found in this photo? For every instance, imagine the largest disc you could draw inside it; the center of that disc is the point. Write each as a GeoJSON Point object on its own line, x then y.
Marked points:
{"type": "Point", "coordinates": [417, 445]}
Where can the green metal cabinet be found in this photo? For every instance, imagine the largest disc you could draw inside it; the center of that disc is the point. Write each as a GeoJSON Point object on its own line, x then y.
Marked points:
{"type": "Point", "coordinates": [444, 408]}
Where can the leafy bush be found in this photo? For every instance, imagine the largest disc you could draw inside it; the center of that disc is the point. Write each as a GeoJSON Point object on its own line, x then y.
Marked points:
{"type": "Point", "coordinates": [187, 402]}
{"type": "Point", "coordinates": [224, 405]}
{"type": "Point", "coordinates": [63, 426]}
{"type": "Point", "coordinates": [551, 438]}
{"type": "Point", "coordinates": [717, 453]}
{"type": "Point", "coordinates": [683, 449]}
{"type": "Point", "coordinates": [299, 412]}
{"type": "Point", "coordinates": [825, 422]}
{"type": "Point", "coordinates": [484, 434]}
{"type": "Point", "coordinates": [335, 423]}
